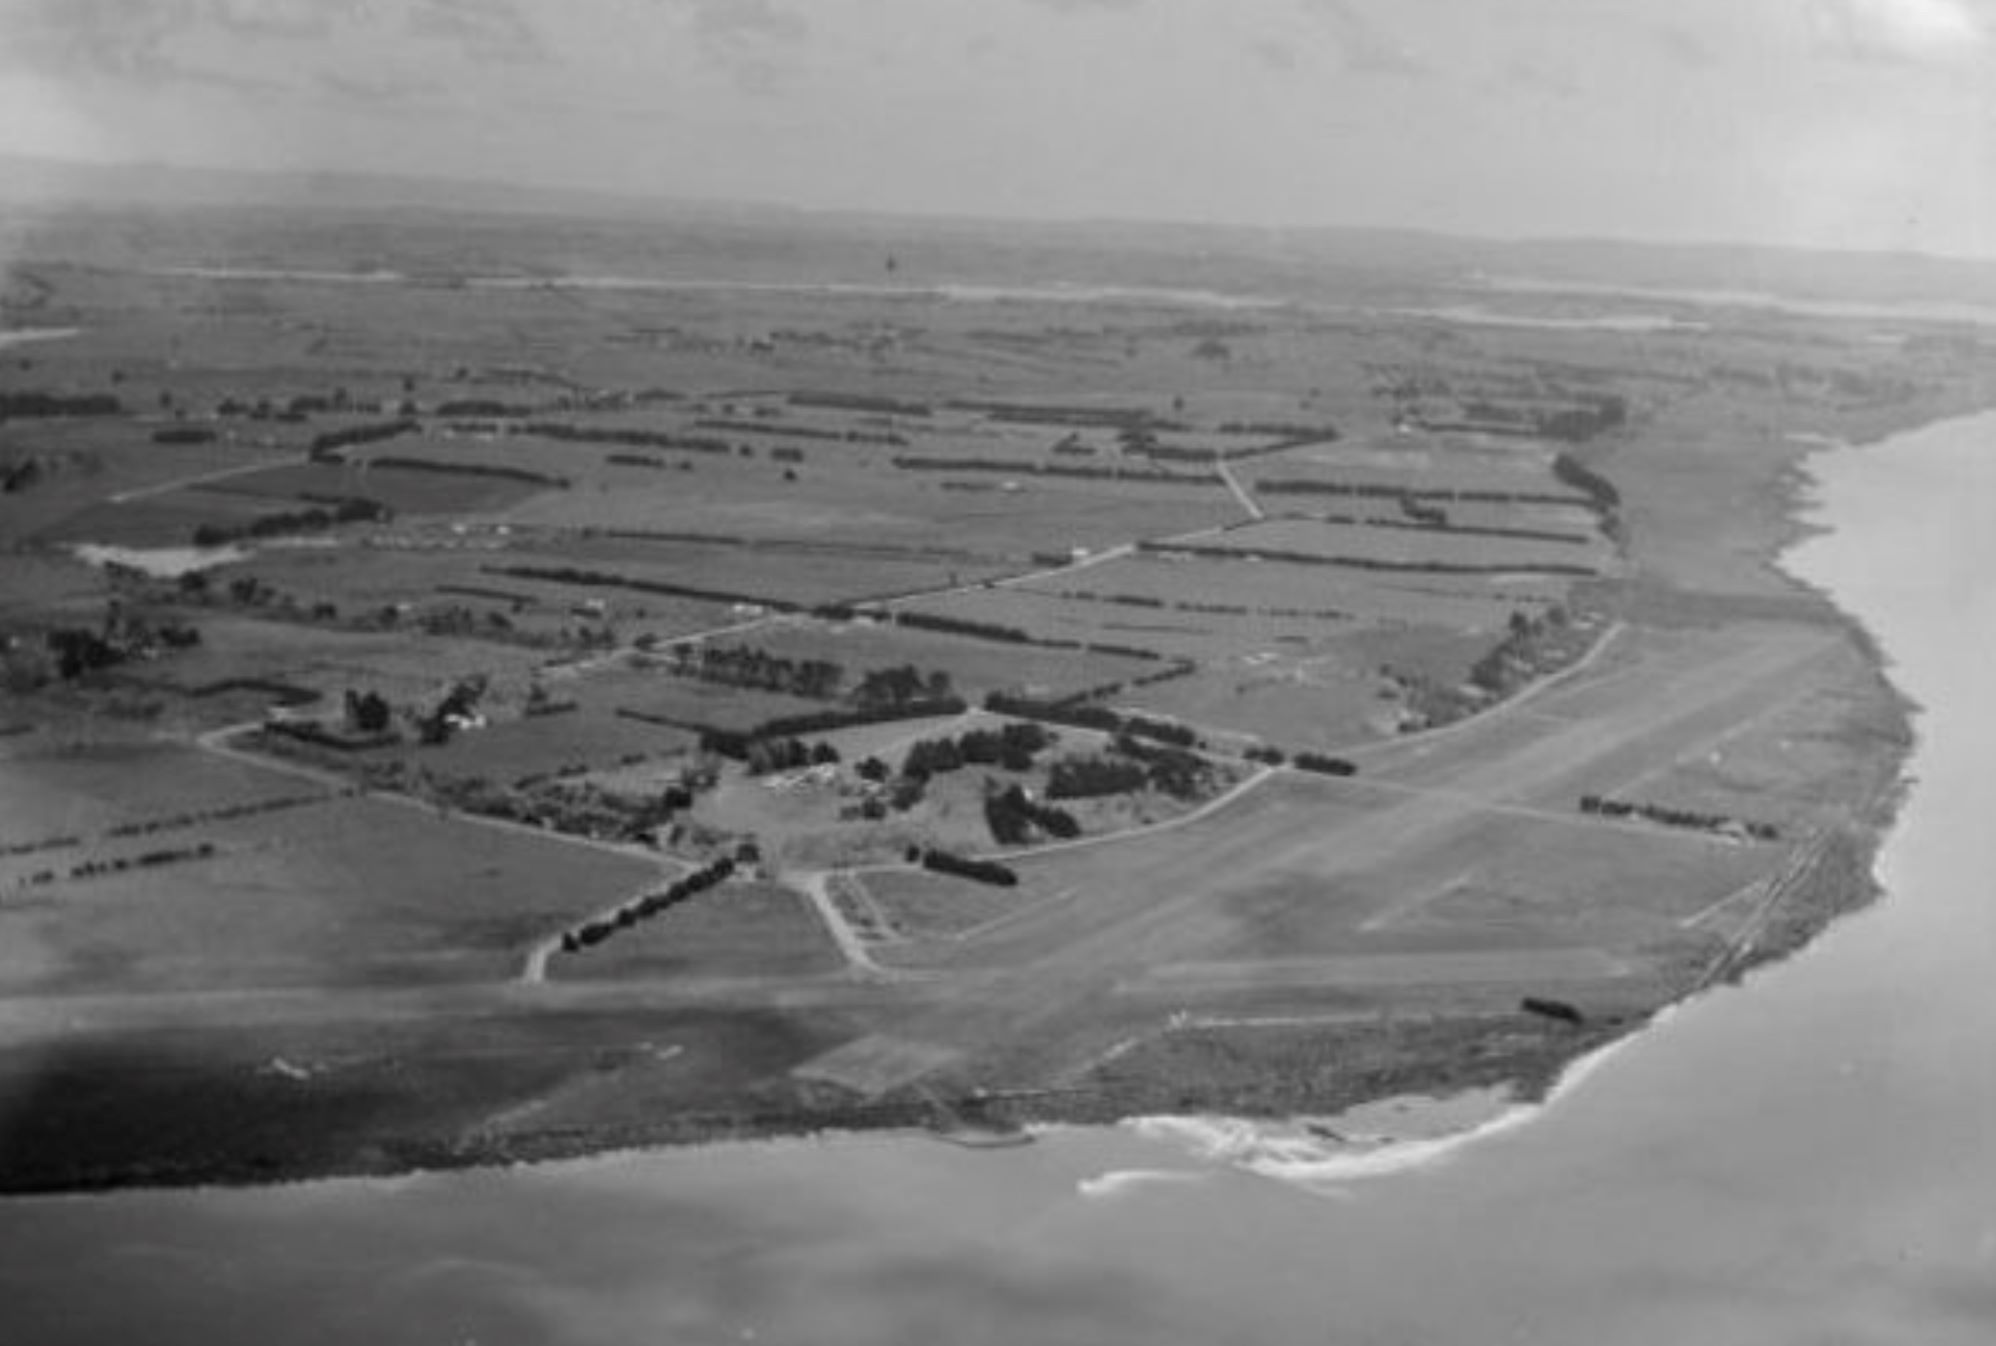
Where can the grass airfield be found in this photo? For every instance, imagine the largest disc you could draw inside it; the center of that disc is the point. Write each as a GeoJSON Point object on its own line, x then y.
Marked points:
{"type": "Point", "coordinates": [298, 962]}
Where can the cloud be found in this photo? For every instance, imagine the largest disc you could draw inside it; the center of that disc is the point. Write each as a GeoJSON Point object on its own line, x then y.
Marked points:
{"type": "Point", "coordinates": [161, 42]}
{"type": "Point", "coordinates": [1535, 74]}
{"type": "Point", "coordinates": [1684, 47]}
{"type": "Point", "coordinates": [489, 30]}
{"type": "Point", "coordinates": [1082, 6]}
{"type": "Point", "coordinates": [740, 24]}
{"type": "Point", "coordinates": [1364, 47]}
{"type": "Point", "coordinates": [1270, 54]}
{"type": "Point", "coordinates": [754, 39]}
{"type": "Point", "coordinates": [1896, 32]}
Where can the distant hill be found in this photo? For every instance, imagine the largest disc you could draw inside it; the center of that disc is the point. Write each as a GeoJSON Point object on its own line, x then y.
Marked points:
{"type": "Point", "coordinates": [706, 235]}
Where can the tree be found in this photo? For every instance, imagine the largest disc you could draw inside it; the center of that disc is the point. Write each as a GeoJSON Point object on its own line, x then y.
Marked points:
{"type": "Point", "coordinates": [367, 712]}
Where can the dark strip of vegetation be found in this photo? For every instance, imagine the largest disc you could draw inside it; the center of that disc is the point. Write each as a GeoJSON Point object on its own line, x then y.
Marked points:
{"type": "Point", "coordinates": [33, 403]}
{"type": "Point", "coordinates": [97, 869]}
{"type": "Point", "coordinates": [492, 470]}
{"type": "Point", "coordinates": [1029, 467]}
{"type": "Point", "coordinates": [885, 406]}
{"type": "Point", "coordinates": [1096, 418]}
{"type": "Point", "coordinates": [1374, 490]}
{"type": "Point", "coordinates": [329, 445]}
{"type": "Point", "coordinates": [1559, 1011]}
{"type": "Point", "coordinates": [737, 743]}
{"type": "Point", "coordinates": [56, 843]}
{"type": "Point", "coordinates": [1073, 712]}
{"type": "Point", "coordinates": [963, 867]}
{"type": "Point", "coordinates": [748, 667]}
{"type": "Point", "coordinates": [223, 813]}
{"type": "Point", "coordinates": [1283, 430]}
{"type": "Point", "coordinates": [352, 509]}
{"type": "Point", "coordinates": [630, 438]}
{"type": "Point", "coordinates": [485, 406]}
{"type": "Point", "coordinates": [1688, 819]}
{"type": "Point", "coordinates": [604, 579]}
{"type": "Point", "coordinates": [1445, 525]}
{"type": "Point", "coordinates": [1600, 492]}
{"type": "Point", "coordinates": [1012, 635]}
{"type": "Point", "coordinates": [591, 933]}
{"type": "Point", "coordinates": [1321, 764]}
{"type": "Point", "coordinates": [808, 548]}
{"type": "Point", "coordinates": [886, 438]}
{"type": "Point", "coordinates": [284, 693]}
{"type": "Point", "coordinates": [1371, 563]}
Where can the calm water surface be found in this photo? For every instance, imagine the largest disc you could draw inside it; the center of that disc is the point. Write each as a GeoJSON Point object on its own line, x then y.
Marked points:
{"type": "Point", "coordinates": [1808, 1159]}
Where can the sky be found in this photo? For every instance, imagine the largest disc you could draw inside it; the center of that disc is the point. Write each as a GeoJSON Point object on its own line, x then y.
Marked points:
{"type": "Point", "coordinates": [1838, 123]}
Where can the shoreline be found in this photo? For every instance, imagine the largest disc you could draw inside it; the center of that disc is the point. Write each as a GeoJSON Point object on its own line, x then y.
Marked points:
{"type": "Point", "coordinates": [1532, 1077]}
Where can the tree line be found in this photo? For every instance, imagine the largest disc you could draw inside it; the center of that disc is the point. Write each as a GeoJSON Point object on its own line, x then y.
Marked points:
{"type": "Point", "coordinates": [591, 933]}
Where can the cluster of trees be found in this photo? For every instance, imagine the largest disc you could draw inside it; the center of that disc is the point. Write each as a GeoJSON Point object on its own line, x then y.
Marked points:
{"type": "Point", "coordinates": [93, 869]}
{"type": "Point", "coordinates": [1080, 715]}
{"type": "Point", "coordinates": [79, 650]}
{"type": "Point", "coordinates": [1518, 655]}
{"type": "Point", "coordinates": [1171, 770]}
{"type": "Point", "coordinates": [748, 667]}
{"type": "Point", "coordinates": [591, 933]}
{"type": "Point", "coordinates": [35, 403]}
{"type": "Point", "coordinates": [367, 712]}
{"type": "Point", "coordinates": [1013, 817]}
{"type": "Point", "coordinates": [1094, 776]}
{"type": "Point", "coordinates": [22, 474]}
{"type": "Point", "coordinates": [1322, 764]}
{"type": "Point", "coordinates": [1128, 766]}
{"type": "Point", "coordinates": [787, 754]}
{"type": "Point", "coordinates": [457, 707]}
{"type": "Point", "coordinates": [1011, 747]}
{"type": "Point", "coordinates": [963, 867]}
{"type": "Point", "coordinates": [1600, 492]}
{"type": "Point", "coordinates": [900, 686]}
{"type": "Point", "coordinates": [1689, 819]}
{"type": "Point", "coordinates": [316, 519]}
{"type": "Point", "coordinates": [330, 444]}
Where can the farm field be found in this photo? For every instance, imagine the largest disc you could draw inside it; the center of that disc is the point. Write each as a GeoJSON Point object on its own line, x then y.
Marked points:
{"type": "Point", "coordinates": [346, 892]}
{"type": "Point", "coordinates": [1490, 576]}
